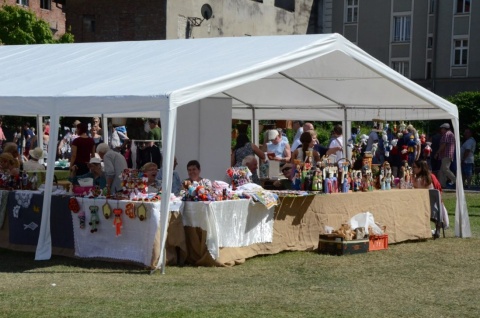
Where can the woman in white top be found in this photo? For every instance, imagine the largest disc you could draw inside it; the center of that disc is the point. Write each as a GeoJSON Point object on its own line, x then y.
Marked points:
{"type": "Point", "coordinates": [337, 142]}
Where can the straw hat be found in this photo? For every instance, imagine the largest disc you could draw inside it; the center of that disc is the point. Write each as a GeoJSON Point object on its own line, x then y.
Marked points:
{"type": "Point", "coordinates": [37, 153]}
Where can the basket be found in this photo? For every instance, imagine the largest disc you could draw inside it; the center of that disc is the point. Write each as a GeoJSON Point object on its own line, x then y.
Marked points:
{"type": "Point", "coordinates": [378, 242]}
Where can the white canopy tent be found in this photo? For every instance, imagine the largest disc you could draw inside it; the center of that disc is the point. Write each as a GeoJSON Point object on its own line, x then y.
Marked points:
{"type": "Point", "coordinates": [314, 77]}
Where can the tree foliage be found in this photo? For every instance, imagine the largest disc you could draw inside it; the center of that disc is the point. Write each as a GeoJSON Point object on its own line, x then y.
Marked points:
{"type": "Point", "coordinates": [19, 26]}
{"type": "Point", "coordinates": [468, 104]}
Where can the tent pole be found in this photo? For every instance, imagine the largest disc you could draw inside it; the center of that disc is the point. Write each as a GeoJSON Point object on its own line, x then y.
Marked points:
{"type": "Point", "coordinates": [105, 128]}
{"type": "Point", "coordinates": [44, 245]}
{"type": "Point", "coordinates": [39, 131]}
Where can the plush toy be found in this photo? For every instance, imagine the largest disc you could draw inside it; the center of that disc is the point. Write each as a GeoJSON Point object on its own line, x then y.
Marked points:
{"type": "Point", "coordinates": [94, 219]}
{"type": "Point", "coordinates": [427, 150]}
{"type": "Point", "coordinates": [374, 148]}
{"type": "Point", "coordinates": [117, 221]}
{"type": "Point", "coordinates": [201, 193]}
{"type": "Point", "coordinates": [107, 210]}
{"type": "Point", "coordinates": [73, 205]}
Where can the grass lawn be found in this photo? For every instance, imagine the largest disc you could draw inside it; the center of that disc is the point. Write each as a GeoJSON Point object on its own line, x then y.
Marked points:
{"type": "Point", "coordinates": [423, 279]}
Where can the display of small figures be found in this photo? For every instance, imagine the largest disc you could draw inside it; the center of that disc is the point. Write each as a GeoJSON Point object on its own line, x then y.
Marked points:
{"type": "Point", "coordinates": [94, 219]}
{"type": "Point", "coordinates": [239, 175]}
{"type": "Point", "coordinates": [134, 184]}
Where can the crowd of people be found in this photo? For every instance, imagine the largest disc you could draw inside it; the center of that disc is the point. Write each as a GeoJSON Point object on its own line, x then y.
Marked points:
{"type": "Point", "coordinates": [396, 146]}
{"type": "Point", "coordinates": [84, 146]}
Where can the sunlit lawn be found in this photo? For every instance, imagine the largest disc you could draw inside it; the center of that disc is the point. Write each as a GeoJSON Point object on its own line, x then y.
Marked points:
{"type": "Point", "coordinates": [422, 279]}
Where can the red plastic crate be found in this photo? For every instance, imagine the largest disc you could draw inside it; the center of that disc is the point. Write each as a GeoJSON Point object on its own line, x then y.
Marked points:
{"type": "Point", "coordinates": [378, 242]}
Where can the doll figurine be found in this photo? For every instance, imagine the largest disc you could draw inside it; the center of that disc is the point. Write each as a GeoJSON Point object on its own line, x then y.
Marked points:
{"type": "Point", "coordinates": [117, 221]}
{"type": "Point", "coordinates": [94, 219]}
{"type": "Point", "coordinates": [382, 179]}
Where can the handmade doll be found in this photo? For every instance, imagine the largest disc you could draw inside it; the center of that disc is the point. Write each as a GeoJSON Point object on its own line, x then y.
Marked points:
{"type": "Point", "coordinates": [117, 221]}
{"type": "Point", "coordinates": [94, 219]}
{"type": "Point", "coordinates": [427, 150]}
{"type": "Point", "coordinates": [382, 179]}
{"type": "Point", "coordinates": [201, 193]}
{"type": "Point", "coordinates": [411, 149]}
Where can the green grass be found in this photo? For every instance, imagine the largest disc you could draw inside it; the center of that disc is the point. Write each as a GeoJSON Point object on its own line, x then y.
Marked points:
{"type": "Point", "coordinates": [422, 279]}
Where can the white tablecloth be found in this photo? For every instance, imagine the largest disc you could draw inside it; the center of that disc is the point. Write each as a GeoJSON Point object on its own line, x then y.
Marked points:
{"type": "Point", "coordinates": [135, 242]}
{"type": "Point", "coordinates": [230, 223]}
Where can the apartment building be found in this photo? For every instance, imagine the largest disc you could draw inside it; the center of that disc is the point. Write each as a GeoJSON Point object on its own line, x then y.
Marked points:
{"type": "Point", "coordinates": [121, 20]}
{"type": "Point", "coordinates": [435, 43]}
{"type": "Point", "coordinates": [50, 11]}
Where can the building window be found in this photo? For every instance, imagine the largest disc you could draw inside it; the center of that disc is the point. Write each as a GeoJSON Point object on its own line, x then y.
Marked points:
{"type": "Point", "coordinates": [23, 2]}
{"type": "Point", "coordinates": [46, 4]}
{"type": "Point", "coordinates": [460, 53]}
{"type": "Point", "coordinates": [288, 5]}
{"type": "Point", "coordinates": [463, 6]}
{"type": "Point", "coordinates": [429, 71]}
{"type": "Point", "coordinates": [401, 28]}
{"type": "Point", "coordinates": [401, 67]}
{"type": "Point", "coordinates": [430, 42]}
{"type": "Point", "coordinates": [351, 11]}
{"type": "Point", "coordinates": [431, 6]}
{"type": "Point", "coordinates": [89, 23]}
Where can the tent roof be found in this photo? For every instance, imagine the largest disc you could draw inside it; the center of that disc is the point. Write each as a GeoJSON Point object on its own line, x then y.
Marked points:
{"type": "Point", "coordinates": [314, 77]}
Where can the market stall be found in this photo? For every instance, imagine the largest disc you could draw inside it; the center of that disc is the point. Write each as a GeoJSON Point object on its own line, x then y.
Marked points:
{"type": "Point", "coordinates": [276, 77]}
{"type": "Point", "coordinates": [138, 241]}
{"type": "Point", "coordinates": [298, 222]}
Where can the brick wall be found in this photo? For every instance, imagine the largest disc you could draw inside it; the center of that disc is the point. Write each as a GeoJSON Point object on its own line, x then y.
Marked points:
{"type": "Point", "coordinates": [116, 20]}
{"type": "Point", "coordinates": [55, 17]}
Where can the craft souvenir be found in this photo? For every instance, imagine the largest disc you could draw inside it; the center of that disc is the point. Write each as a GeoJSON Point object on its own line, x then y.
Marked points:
{"type": "Point", "coordinates": [107, 210]}
{"type": "Point", "coordinates": [142, 212]}
{"type": "Point", "coordinates": [130, 210]}
{"type": "Point", "coordinates": [427, 150]}
{"type": "Point", "coordinates": [94, 219]}
{"type": "Point", "coordinates": [34, 181]}
{"type": "Point", "coordinates": [81, 218]}
{"type": "Point", "coordinates": [73, 205]}
{"type": "Point", "coordinates": [117, 221]}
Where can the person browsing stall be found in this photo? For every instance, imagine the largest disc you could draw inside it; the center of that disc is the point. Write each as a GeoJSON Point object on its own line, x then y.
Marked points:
{"type": "Point", "coordinates": [279, 149]}
{"type": "Point", "coordinates": [252, 164]}
{"type": "Point", "coordinates": [466, 153]}
{"type": "Point", "coordinates": [83, 148]}
{"type": "Point", "coordinates": [193, 169]}
{"type": "Point", "coordinates": [96, 173]}
{"type": "Point", "coordinates": [176, 182]}
{"type": "Point", "coordinates": [114, 164]}
{"type": "Point", "coordinates": [32, 164]}
{"type": "Point", "coordinates": [244, 148]}
{"type": "Point", "coordinates": [445, 154]}
{"type": "Point", "coordinates": [422, 177]}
